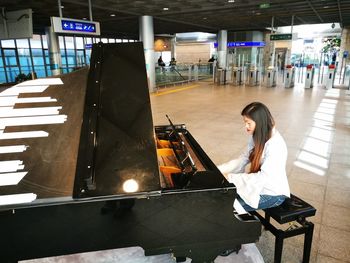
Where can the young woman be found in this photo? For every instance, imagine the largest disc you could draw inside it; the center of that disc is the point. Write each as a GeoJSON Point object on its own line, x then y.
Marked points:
{"type": "Point", "coordinates": [265, 183]}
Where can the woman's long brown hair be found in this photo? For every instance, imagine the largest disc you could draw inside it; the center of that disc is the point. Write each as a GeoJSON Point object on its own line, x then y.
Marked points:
{"type": "Point", "coordinates": [264, 121]}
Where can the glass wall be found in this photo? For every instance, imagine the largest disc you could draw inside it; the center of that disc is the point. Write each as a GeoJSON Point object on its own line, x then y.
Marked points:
{"type": "Point", "coordinates": [20, 58]}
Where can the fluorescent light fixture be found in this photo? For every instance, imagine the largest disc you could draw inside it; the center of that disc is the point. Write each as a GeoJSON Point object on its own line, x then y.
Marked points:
{"type": "Point", "coordinates": [11, 178]}
{"type": "Point", "coordinates": [11, 166]}
{"type": "Point", "coordinates": [36, 120]}
{"type": "Point", "coordinates": [24, 89]}
{"type": "Point", "coordinates": [13, 148]}
{"type": "Point", "coordinates": [11, 112]}
{"type": "Point", "coordinates": [35, 82]}
{"type": "Point", "coordinates": [165, 8]}
{"type": "Point", "coordinates": [112, 14]}
{"type": "Point", "coordinates": [21, 135]}
{"type": "Point", "coordinates": [17, 198]}
{"type": "Point", "coordinates": [231, 1]}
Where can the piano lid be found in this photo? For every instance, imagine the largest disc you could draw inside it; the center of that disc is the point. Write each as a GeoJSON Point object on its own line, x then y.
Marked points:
{"type": "Point", "coordinates": [117, 152]}
{"type": "Point", "coordinates": [82, 134]}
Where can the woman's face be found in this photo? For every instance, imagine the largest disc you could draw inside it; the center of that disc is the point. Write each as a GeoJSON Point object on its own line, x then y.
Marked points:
{"type": "Point", "coordinates": [249, 125]}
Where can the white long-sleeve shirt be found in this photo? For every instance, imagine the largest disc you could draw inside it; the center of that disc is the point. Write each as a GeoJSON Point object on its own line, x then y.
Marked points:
{"type": "Point", "coordinates": [270, 180]}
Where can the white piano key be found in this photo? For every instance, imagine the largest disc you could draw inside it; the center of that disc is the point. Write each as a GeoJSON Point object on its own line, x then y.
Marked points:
{"type": "Point", "coordinates": [11, 166]}
{"type": "Point", "coordinates": [36, 120]}
{"type": "Point", "coordinates": [12, 148]}
{"type": "Point", "coordinates": [11, 112]}
{"type": "Point", "coordinates": [17, 198]}
{"type": "Point", "coordinates": [11, 178]}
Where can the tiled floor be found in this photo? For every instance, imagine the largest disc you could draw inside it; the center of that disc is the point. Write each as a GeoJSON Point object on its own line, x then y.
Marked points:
{"type": "Point", "coordinates": [316, 126]}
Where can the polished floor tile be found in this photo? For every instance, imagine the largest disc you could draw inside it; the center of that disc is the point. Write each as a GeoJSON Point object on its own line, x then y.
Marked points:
{"type": "Point", "coordinates": [315, 124]}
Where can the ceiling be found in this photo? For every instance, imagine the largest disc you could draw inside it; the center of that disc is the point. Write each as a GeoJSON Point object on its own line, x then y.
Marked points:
{"type": "Point", "coordinates": [187, 15]}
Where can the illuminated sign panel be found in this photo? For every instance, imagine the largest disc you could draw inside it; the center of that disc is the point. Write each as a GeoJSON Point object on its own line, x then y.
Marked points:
{"type": "Point", "coordinates": [243, 44]}
{"type": "Point", "coordinates": [74, 26]}
{"type": "Point", "coordinates": [281, 37]}
{"type": "Point", "coordinates": [69, 25]}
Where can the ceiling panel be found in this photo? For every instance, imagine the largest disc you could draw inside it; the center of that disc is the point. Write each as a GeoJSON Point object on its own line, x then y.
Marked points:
{"type": "Point", "coordinates": [187, 15]}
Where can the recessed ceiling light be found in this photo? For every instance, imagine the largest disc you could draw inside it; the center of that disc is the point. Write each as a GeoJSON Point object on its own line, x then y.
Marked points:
{"type": "Point", "coordinates": [84, 18]}
{"type": "Point", "coordinates": [112, 14]}
{"type": "Point", "coordinates": [62, 6]}
{"type": "Point", "coordinates": [165, 8]}
{"type": "Point", "coordinates": [204, 18]}
{"type": "Point", "coordinates": [326, 6]}
{"type": "Point", "coordinates": [231, 1]}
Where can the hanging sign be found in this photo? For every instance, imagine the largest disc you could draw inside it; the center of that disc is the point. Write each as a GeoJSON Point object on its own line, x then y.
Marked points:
{"type": "Point", "coordinates": [74, 26]}
{"type": "Point", "coordinates": [243, 44]}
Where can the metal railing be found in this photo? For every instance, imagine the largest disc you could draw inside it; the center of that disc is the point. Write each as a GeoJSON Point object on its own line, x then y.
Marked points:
{"type": "Point", "coordinates": [182, 72]}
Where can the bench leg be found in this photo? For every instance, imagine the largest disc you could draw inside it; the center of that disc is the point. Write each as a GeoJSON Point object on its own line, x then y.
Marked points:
{"type": "Point", "coordinates": [278, 247]}
{"type": "Point", "coordinates": [308, 242]}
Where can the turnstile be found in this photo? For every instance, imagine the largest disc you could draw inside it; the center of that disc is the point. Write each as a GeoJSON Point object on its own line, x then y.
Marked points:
{"type": "Point", "coordinates": [289, 76]}
{"type": "Point", "coordinates": [330, 76]}
{"type": "Point", "coordinates": [271, 77]}
{"type": "Point", "coordinates": [309, 77]}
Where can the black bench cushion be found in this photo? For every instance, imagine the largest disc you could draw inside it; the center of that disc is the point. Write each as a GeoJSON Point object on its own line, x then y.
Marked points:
{"type": "Point", "coordinates": [290, 210]}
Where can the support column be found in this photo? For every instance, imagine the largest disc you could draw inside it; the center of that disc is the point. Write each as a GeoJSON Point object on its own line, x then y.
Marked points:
{"type": "Point", "coordinates": [147, 37]}
{"type": "Point", "coordinates": [344, 46]}
{"type": "Point", "coordinates": [173, 47]}
{"type": "Point", "coordinates": [54, 51]}
{"type": "Point", "coordinates": [222, 48]}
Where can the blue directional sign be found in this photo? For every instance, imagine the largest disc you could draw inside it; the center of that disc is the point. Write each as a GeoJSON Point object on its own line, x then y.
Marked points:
{"type": "Point", "coordinates": [75, 26]}
{"type": "Point", "coordinates": [243, 44]}
{"type": "Point", "coordinates": [71, 25]}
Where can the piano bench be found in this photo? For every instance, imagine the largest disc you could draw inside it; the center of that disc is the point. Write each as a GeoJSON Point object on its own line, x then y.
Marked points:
{"type": "Point", "coordinates": [292, 209]}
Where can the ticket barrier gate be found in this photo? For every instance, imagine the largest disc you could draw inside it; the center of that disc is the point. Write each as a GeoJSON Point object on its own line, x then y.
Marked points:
{"type": "Point", "coordinates": [236, 76]}
{"type": "Point", "coordinates": [330, 77]}
{"type": "Point", "coordinates": [220, 76]}
{"type": "Point", "coordinates": [253, 77]}
{"type": "Point", "coordinates": [271, 77]}
{"type": "Point", "coordinates": [309, 79]}
{"type": "Point", "coordinates": [289, 77]}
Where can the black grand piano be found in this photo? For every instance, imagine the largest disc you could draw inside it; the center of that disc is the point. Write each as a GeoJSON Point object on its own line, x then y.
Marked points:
{"type": "Point", "coordinates": [83, 168]}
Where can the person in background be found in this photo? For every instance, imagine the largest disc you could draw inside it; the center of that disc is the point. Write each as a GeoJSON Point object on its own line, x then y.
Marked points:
{"type": "Point", "coordinates": [172, 64]}
{"type": "Point", "coordinates": [265, 184]}
{"type": "Point", "coordinates": [161, 62]}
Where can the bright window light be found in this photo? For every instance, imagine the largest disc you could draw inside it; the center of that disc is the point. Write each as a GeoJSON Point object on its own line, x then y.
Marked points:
{"type": "Point", "coordinates": [13, 148]}
{"type": "Point", "coordinates": [17, 199]}
{"type": "Point", "coordinates": [313, 159]}
{"type": "Point", "coordinates": [11, 178]}
{"type": "Point", "coordinates": [309, 168]}
{"type": "Point", "coordinates": [317, 147]}
{"type": "Point", "coordinates": [322, 134]}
